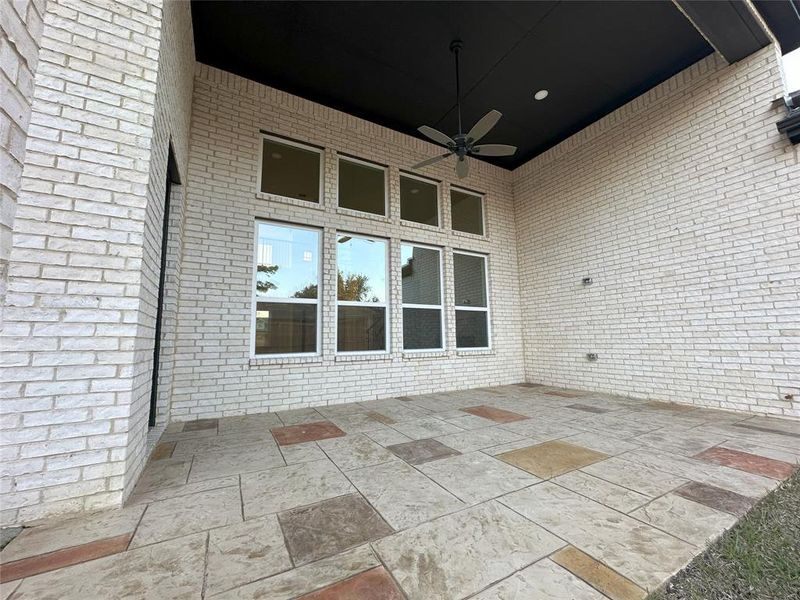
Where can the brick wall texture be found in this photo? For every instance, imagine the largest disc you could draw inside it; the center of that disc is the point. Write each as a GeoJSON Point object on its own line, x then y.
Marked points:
{"type": "Point", "coordinates": [682, 206]}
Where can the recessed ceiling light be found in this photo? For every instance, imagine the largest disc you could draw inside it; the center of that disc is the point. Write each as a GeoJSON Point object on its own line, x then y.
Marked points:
{"type": "Point", "coordinates": [541, 94]}
{"type": "Point", "coordinates": [277, 155]}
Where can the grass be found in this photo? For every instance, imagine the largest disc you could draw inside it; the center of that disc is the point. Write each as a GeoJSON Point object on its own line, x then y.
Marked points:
{"type": "Point", "coordinates": [757, 559]}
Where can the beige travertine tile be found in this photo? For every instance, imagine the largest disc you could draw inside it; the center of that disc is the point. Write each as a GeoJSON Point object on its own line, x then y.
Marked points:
{"type": "Point", "coordinates": [543, 579]}
{"type": "Point", "coordinates": [233, 461]}
{"type": "Point", "coordinates": [687, 520]}
{"type": "Point", "coordinates": [425, 427]}
{"type": "Point", "coordinates": [183, 490]}
{"type": "Point", "coordinates": [602, 491]}
{"type": "Point", "coordinates": [301, 453]}
{"type": "Point", "coordinates": [460, 554]}
{"type": "Point", "coordinates": [635, 476]}
{"type": "Point", "coordinates": [355, 451]}
{"type": "Point", "coordinates": [180, 516]}
{"type": "Point", "coordinates": [243, 552]}
{"type": "Point", "coordinates": [163, 473]}
{"type": "Point", "coordinates": [487, 437]}
{"type": "Point", "coordinates": [171, 569]}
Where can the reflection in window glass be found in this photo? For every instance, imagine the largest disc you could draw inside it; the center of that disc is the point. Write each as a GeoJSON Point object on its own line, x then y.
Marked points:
{"type": "Point", "coordinates": [361, 294]}
{"type": "Point", "coordinates": [362, 187]}
{"type": "Point", "coordinates": [286, 289]}
{"type": "Point", "coordinates": [466, 212]}
{"type": "Point", "coordinates": [290, 170]}
{"type": "Point", "coordinates": [419, 201]}
{"type": "Point", "coordinates": [420, 269]}
{"type": "Point", "coordinates": [472, 310]}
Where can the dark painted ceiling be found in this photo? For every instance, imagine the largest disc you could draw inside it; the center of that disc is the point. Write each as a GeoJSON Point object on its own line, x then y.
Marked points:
{"type": "Point", "coordinates": [389, 61]}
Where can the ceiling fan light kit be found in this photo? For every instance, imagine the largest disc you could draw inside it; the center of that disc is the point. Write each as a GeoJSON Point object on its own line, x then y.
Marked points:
{"type": "Point", "coordinates": [463, 145]}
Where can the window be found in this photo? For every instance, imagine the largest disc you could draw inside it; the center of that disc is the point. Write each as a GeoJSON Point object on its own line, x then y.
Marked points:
{"type": "Point", "coordinates": [361, 294]}
{"type": "Point", "coordinates": [362, 186]}
{"type": "Point", "coordinates": [419, 200]}
{"type": "Point", "coordinates": [286, 289]}
{"type": "Point", "coordinates": [472, 307]}
{"type": "Point", "coordinates": [291, 169]}
{"type": "Point", "coordinates": [466, 211]}
{"type": "Point", "coordinates": [422, 297]}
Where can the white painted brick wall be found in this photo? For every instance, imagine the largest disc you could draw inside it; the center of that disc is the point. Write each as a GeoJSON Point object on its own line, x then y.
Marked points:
{"type": "Point", "coordinates": [76, 343]}
{"type": "Point", "coordinates": [684, 207]}
{"type": "Point", "coordinates": [214, 375]}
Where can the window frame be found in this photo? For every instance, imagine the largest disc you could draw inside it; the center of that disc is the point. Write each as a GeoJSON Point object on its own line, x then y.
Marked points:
{"type": "Point", "coordinates": [365, 163]}
{"type": "Point", "coordinates": [303, 146]}
{"type": "Point", "coordinates": [479, 195]}
{"type": "Point", "coordinates": [440, 306]}
{"type": "Point", "coordinates": [316, 301]}
{"type": "Point", "coordinates": [437, 185]}
{"type": "Point", "coordinates": [486, 309]}
{"type": "Point", "coordinates": [386, 304]}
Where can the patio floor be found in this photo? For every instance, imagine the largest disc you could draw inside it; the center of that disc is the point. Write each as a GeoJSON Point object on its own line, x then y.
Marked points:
{"type": "Point", "coordinates": [496, 493]}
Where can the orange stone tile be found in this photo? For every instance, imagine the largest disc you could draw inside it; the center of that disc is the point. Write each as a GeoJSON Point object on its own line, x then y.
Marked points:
{"type": "Point", "coordinates": [744, 461]}
{"type": "Point", "coordinates": [66, 557]}
{"type": "Point", "coordinates": [552, 458]}
{"type": "Point", "coordinates": [375, 584]}
{"type": "Point", "coordinates": [306, 432]}
{"type": "Point", "coordinates": [163, 450]}
{"type": "Point", "coordinates": [596, 574]}
{"type": "Point", "coordinates": [497, 415]}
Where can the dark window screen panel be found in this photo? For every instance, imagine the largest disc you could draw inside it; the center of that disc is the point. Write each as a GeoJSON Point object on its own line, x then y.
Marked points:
{"type": "Point", "coordinates": [290, 171]}
{"type": "Point", "coordinates": [362, 187]}
{"type": "Point", "coordinates": [283, 328]}
{"type": "Point", "coordinates": [420, 275]}
{"type": "Point", "coordinates": [467, 212]}
{"type": "Point", "coordinates": [422, 329]}
{"type": "Point", "coordinates": [419, 201]}
{"type": "Point", "coordinates": [472, 329]}
{"type": "Point", "coordinates": [469, 274]}
{"type": "Point", "coordinates": [361, 329]}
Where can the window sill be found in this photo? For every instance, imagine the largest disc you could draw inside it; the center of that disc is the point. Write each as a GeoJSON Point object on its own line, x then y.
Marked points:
{"type": "Point", "coordinates": [362, 215]}
{"type": "Point", "coordinates": [475, 352]}
{"type": "Point", "coordinates": [470, 236]}
{"type": "Point", "coordinates": [264, 361]}
{"type": "Point", "coordinates": [420, 354]}
{"type": "Point", "coordinates": [290, 201]}
{"type": "Point", "coordinates": [378, 356]}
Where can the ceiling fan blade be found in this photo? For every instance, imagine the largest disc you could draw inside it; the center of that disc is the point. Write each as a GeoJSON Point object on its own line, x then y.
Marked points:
{"type": "Point", "coordinates": [462, 167]}
{"type": "Point", "coordinates": [493, 150]}
{"type": "Point", "coordinates": [431, 161]}
{"type": "Point", "coordinates": [437, 136]}
{"type": "Point", "coordinates": [482, 127]}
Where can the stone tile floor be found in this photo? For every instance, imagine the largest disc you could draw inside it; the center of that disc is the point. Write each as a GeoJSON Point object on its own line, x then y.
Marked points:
{"type": "Point", "coordinates": [513, 492]}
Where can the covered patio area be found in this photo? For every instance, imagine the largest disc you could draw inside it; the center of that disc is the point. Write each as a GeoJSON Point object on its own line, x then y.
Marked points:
{"type": "Point", "coordinates": [517, 491]}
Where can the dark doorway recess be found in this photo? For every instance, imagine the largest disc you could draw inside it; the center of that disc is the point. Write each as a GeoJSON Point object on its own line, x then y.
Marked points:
{"type": "Point", "coordinates": [172, 179]}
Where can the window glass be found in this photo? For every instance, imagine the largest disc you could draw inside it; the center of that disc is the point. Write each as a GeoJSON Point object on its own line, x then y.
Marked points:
{"type": "Point", "coordinates": [420, 275]}
{"type": "Point", "coordinates": [422, 329]}
{"type": "Point", "coordinates": [287, 261]}
{"type": "Point", "coordinates": [472, 310]}
{"type": "Point", "coordinates": [469, 273]}
{"type": "Point", "coordinates": [419, 201]}
{"type": "Point", "coordinates": [289, 170]}
{"type": "Point", "coordinates": [286, 289]}
{"type": "Point", "coordinates": [361, 293]}
{"type": "Point", "coordinates": [466, 212]}
{"type": "Point", "coordinates": [362, 187]}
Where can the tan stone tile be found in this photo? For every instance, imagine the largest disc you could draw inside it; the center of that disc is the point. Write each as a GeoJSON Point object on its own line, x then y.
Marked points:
{"type": "Point", "coordinates": [635, 476]}
{"type": "Point", "coordinates": [299, 415]}
{"type": "Point", "coordinates": [331, 526]}
{"type": "Point", "coordinates": [182, 490]}
{"type": "Point", "coordinates": [200, 424]}
{"type": "Point", "coordinates": [233, 461]}
{"type": "Point", "coordinates": [163, 473]}
{"type": "Point", "coordinates": [468, 441]}
{"type": "Point", "coordinates": [552, 458]}
{"type": "Point", "coordinates": [598, 575]}
{"type": "Point", "coordinates": [306, 579]}
{"type": "Point", "coordinates": [542, 580]}
{"type": "Point", "coordinates": [302, 453]}
{"type": "Point", "coordinates": [171, 569]}
{"type": "Point", "coordinates": [180, 516]}
{"type": "Point", "coordinates": [425, 427]}
{"type": "Point", "coordinates": [355, 451]}
{"type": "Point", "coordinates": [163, 450]}
{"type": "Point", "coordinates": [462, 553]}
{"type": "Point", "coordinates": [244, 552]}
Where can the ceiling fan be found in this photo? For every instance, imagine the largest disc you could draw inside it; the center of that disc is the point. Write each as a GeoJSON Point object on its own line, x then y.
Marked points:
{"type": "Point", "coordinates": [462, 144]}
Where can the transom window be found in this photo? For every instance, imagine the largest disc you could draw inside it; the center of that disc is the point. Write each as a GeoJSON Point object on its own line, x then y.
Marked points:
{"type": "Point", "coordinates": [466, 211]}
{"type": "Point", "coordinates": [362, 186]}
{"type": "Point", "coordinates": [421, 271]}
{"type": "Point", "coordinates": [361, 316]}
{"type": "Point", "coordinates": [419, 200]}
{"type": "Point", "coordinates": [291, 169]}
{"type": "Point", "coordinates": [286, 289]}
{"type": "Point", "coordinates": [471, 299]}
